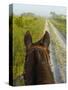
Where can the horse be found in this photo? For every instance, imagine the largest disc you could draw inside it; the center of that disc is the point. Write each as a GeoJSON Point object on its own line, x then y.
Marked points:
{"type": "Point", "coordinates": [37, 68]}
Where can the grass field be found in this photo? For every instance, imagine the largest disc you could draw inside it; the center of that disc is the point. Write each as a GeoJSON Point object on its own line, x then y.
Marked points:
{"type": "Point", "coordinates": [21, 24]}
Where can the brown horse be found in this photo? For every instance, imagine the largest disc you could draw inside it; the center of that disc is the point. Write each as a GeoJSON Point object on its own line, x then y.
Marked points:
{"type": "Point", "coordinates": [37, 62]}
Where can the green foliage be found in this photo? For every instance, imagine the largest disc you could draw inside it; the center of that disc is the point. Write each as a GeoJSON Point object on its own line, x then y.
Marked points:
{"type": "Point", "coordinates": [21, 24]}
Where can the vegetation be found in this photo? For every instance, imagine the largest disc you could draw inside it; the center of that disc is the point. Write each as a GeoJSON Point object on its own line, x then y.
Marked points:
{"type": "Point", "coordinates": [21, 24]}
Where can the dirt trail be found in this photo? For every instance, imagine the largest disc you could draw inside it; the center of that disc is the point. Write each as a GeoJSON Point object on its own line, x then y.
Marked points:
{"type": "Point", "coordinates": [54, 65]}
{"type": "Point", "coordinates": [59, 35]}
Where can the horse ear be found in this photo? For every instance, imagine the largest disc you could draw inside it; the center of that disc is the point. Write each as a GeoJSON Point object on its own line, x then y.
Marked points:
{"type": "Point", "coordinates": [27, 39]}
{"type": "Point", "coordinates": [46, 39]}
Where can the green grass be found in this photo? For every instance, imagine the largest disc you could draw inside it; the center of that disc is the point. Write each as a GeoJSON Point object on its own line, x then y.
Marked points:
{"type": "Point", "coordinates": [21, 24]}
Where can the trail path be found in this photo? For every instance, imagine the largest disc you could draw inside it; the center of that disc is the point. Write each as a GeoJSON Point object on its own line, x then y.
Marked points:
{"type": "Point", "coordinates": [54, 64]}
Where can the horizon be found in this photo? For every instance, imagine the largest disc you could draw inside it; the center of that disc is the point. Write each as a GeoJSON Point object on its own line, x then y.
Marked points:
{"type": "Point", "coordinates": [41, 10]}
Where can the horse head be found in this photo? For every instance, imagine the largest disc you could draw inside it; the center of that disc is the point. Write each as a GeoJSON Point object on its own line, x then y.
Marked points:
{"type": "Point", "coordinates": [37, 67]}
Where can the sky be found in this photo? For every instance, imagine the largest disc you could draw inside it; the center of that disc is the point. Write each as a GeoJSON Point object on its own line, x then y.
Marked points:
{"type": "Point", "coordinates": [42, 10]}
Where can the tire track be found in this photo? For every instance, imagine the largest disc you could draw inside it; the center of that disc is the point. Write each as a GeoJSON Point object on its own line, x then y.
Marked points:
{"type": "Point", "coordinates": [59, 35]}
{"type": "Point", "coordinates": [59, 78]}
